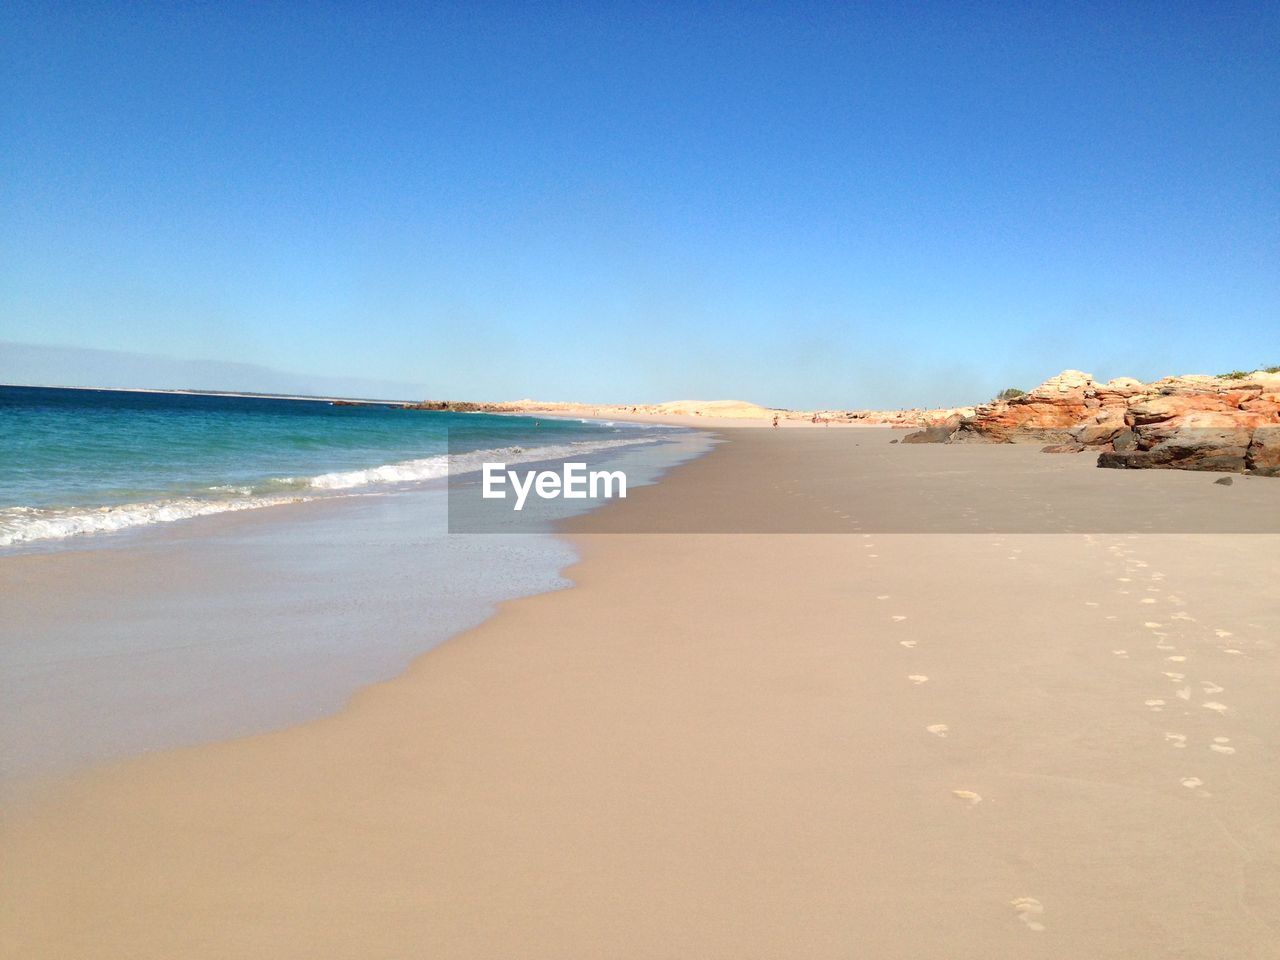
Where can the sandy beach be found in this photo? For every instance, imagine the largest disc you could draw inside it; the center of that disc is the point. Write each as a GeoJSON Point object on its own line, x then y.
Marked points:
{"type": "Point", "coordinates": [1018, 707]}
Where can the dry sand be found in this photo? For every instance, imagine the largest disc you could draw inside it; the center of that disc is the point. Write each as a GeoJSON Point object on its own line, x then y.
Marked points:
{"type": "Point", "coordinates": [881, 744]}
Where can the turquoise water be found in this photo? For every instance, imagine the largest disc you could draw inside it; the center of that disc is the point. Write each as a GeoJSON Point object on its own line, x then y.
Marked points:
{"type": "Point", "coordinates": [218, 630]}
{"type": "Point", "coordinates": [79, 462]}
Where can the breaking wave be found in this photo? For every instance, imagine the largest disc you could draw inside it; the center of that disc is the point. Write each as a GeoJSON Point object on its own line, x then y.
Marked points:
{"type": "Point", "coordinates": [21, 525]}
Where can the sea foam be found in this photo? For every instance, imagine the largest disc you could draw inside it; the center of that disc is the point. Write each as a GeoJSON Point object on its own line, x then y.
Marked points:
{"type": "Point", "coordinates": [22, 525]}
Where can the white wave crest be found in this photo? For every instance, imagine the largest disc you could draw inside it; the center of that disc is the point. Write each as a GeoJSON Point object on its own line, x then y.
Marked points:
{"type": "Point", "coordinates": [442, 465]}
{"type": "Point", "coordinates": [21, 525]}
{"type": "Point", "coordinates": [428, 468]}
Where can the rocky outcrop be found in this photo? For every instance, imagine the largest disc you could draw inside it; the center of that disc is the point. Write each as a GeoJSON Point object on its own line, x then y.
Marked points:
{"type": "Point", "coordinates": [1186, 423]}
{"type": "Point", "coordinates": [939, 432]}
{"type": "Point", "coordinates": [1263, 455]}
{"type": "Point", "coordinates": [1204, 423]}
{"type": "Point", "coordinates": [459, 406]}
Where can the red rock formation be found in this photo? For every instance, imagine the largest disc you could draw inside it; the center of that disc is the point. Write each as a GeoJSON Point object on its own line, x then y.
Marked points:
{"type": "Point", "coordinates": [1187, 423]}
{"type": "Point", "coordinates": [1051, 413]}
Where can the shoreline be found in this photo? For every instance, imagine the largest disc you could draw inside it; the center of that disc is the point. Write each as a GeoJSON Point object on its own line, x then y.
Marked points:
{"type": "Point", "coordinates": [622, 768]}
{"type": "Point", "coordinates": [36, 527]}
{"type": "Point", "coordinates": [247, 621]}
{"type": "Point", "coordinates": [233, 624]}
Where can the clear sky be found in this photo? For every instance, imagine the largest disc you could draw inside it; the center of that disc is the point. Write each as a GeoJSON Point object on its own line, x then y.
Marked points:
{"type": "Point", "coordinates": [797, 204]}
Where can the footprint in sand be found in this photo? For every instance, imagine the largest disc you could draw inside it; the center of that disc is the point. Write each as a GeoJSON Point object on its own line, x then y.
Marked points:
{"type": "Point", "coordinates": [1155, 705]}
{"type": "Point", "coordinates": [898, 617]}
{"type": "Point", "coordinates": [1183, 615]}
{"type": "Point", "coordinates": [917, 678]}
{"type": "Point", "coordinates": [1176, 659]}
{"type": "Point", "coordinates": [1029, 911]}
{"type": "Point", "coordinates": [1210, 687]}
{"type": "Point", "coordinates": [1223, 634]}
{"type": "Point", "coordinates": [873, 556]}
{"type": "Point", "coordinates": [1184, 693]}
{"type": "Point", "coordinates": [1219, 745]}
{"type": "Point", "coordinates": [938, 729]}
{"type": "Point", "coordinates": [1193, 783]}
{"type": "Point", "coordinates": [1215, 706]}
{"type": "Point", "coordinates": [1175, 677]}
{"type": "Point", "coordinates": [1232, 650]}
{"type": "Point", "coordinates": [1122, 654]}
{"type": "Point", "coordinates": [1178, 740]}
{"type": "Point", "coordinates": [1091, 603]}
{"type": "Point", "coordinates": [909, 644]}
{"type": "Point", "coordinates": [1151, 625]}
{"type": "Point", "coordinates": [968, 795]}
{"type": "Point", "coordinates": [1147, 600]}
{"type": "Point", "coordinates": [1165, 646]}
{"type": "Point", "coordinates": [883, 596]}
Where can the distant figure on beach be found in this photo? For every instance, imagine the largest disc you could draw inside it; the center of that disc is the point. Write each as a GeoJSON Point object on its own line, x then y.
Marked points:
{"type": "Point", "coordinates": [775, 420]}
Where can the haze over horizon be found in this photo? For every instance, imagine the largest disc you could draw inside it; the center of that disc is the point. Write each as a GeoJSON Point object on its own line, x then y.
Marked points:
{"type": "Point", "coordinates": [24, 364]}
{"type": "Point", "coordinates": [794, 205]}
{"type": "Point", "coordinates": [76, 367]}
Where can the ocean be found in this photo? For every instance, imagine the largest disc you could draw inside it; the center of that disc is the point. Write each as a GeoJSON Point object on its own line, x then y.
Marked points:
{"type": "Point", "coordinates": [83, 462]}
{"type": "Point", "coordinates": [178, 569]}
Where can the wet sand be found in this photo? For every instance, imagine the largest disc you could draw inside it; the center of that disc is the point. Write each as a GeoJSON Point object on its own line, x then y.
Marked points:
{"type": "Point", "coordinates": [235, 623]}
{"type": "Point", "coordinates": [941, 734]}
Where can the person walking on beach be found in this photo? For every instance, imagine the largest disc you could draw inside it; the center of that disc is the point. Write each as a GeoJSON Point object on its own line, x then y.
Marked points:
{"type": "Point", "coordinates": [775, 420]}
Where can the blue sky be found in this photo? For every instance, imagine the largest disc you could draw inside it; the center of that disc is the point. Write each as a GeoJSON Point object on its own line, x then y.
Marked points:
{"type": "Point", "coordinates": [796, 204]}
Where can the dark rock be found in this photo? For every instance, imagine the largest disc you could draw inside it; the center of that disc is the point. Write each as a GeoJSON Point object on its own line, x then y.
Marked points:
{"type": "Point", "coordinates": [1224, 481]}
{"type": "Point", "coordinates": [1120, 459]}
{"type": "Point", "coordinates": [1097, 434]}
{"type": "Point", "coordinates": [1183, 450]}
{"type": "Point", "coordinates": [1263, 455]}
{"type": "Point", "coordinates": [1193, 448]}
{"type": "Point", "coordinates": [456, 406]}
{"type": "Point", "coordinates": [1124, 441]}
{"type": "Point", "coordinates": [935, 433]}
